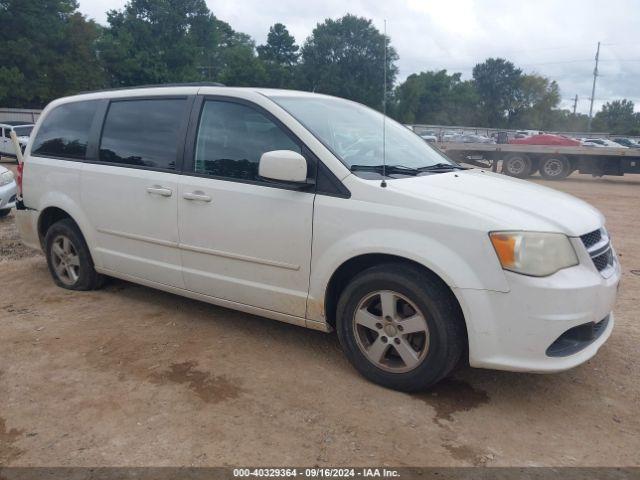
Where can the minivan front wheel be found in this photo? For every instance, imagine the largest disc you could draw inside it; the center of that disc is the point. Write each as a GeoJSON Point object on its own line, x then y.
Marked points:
{"type": "Point", "coordinates": [68, 257]}
{"type": "Point", "coordinates": [400, 327]}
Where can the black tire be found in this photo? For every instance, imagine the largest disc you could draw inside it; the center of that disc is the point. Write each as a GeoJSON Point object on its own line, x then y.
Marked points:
{"type": "Point", "coordinates": [4, 213]}
{"type": "Point", "coordinates": [555, 168]}
{"type": "Point", "coordinates": [517, 165]}
{"type": "Point", "coordinates": [446, 329]}
{"type": "Point", "coordinates": [87, 277]}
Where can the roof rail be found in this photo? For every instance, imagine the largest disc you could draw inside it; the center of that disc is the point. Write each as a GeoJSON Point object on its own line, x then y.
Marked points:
{"type": "Point", "coordinates": [158, 85]}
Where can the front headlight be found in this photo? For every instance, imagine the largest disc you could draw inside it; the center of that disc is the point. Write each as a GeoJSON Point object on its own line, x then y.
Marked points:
{"type": "Point", "coordinates": [533, 253]}
{"type": "Point", "coordinates": [6, 178]}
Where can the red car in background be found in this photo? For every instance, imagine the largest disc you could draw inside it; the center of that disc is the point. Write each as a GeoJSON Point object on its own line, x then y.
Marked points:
{"type": "Point", "coordinates": [546, 139]}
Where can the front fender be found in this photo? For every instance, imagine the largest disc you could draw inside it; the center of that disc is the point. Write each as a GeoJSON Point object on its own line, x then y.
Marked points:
{"type": "Point", "coordinates": [457, 268]}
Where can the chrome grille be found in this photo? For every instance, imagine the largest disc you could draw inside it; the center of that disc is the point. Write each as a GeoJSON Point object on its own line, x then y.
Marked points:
{"type": "Point", "coordinates": [599, 247]}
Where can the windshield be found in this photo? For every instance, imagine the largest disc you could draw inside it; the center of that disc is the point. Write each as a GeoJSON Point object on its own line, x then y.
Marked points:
{"type": "Point", "coordinates": [23, 131]}
{"type": "Point", "coordinates": [353, 133]}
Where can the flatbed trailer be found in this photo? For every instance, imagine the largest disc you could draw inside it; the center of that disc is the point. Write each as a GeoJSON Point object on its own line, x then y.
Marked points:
{"type": "Point", "coordinates": [554, 162]}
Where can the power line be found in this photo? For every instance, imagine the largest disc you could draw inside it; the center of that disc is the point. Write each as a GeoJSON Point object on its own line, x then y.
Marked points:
{"type": "Point", "coordinates": [554, 62]}
{"type": "Point", "coordinates": [559, 62]}
{"type": "Point", "coordinates": [624, 44]}
{"type": "Point", "coordinates": [503, 52]}
{"type": "Point", "coordinates": [622, 97]}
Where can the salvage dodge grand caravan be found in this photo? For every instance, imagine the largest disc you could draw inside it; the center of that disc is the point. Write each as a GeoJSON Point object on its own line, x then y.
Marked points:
{"type": "Point", "coordinates": [273, 202]}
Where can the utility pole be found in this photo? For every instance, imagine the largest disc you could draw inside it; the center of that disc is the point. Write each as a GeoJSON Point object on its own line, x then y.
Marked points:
{"type": "Point", "coordinates": [575, 104]}
{"type": "Point", "coordinates": [593, 89]}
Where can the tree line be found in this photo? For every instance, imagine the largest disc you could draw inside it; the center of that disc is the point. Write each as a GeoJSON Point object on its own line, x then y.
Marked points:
{"type": "Point", "coordinates": [51, 50]}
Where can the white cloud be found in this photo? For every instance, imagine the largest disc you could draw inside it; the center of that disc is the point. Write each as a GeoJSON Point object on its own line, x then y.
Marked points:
{"type": "Point", "coordinates": [554, 38]}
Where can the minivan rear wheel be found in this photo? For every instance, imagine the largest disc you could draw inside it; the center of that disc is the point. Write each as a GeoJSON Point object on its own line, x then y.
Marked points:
{"type": "Point", "coordinates": [400, 327]}
{"type": "Point", "coordinates": [69, 259]}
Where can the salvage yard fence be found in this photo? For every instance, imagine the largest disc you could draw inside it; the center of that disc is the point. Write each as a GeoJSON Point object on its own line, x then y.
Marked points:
{"type": "Point", "coordinates": [19, 115]}
{"type": "Point", "coordinates": [31, 115]}
{"type": "Point", "coordinates": [440, 130]}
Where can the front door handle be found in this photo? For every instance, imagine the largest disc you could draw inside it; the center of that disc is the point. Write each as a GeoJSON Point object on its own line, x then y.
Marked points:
{"type": "Point", "coordinates": [197, 196]}
{"type": "Point", "coordinates": [158, 190]}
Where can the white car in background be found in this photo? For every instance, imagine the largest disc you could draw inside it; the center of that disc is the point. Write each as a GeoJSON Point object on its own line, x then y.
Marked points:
{"type": "Point", "coordinates": [23, 131]}
{"type": "Point", "coordinates": [470, 138]}
{"type": "Point", "coordinates": [430, 137]}
{"type": "Point", "coordinates": [600, 143]}
{"type": "Point", "coordinates": [447, 135]}
{"type": "Point", "coordinates": [8, 191]}
{"type": "Point", "coordinates": [527, 133]}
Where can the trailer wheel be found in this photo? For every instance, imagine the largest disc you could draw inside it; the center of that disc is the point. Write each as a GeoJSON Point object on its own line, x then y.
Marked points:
{"type": "Point", "coordinates": [555, 168]}
{"type": "Point", "coordinates": [517, 165]}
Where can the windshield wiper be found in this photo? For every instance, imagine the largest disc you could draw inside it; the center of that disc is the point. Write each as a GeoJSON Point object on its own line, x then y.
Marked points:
{"type": "Point", "coordinates": [390, 169]}
{"type": "Point", "coordinates": [441, 166]}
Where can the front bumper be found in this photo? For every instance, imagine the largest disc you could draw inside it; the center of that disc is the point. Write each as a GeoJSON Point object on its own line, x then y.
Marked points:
{"type": "Point", "coordinates": [515, 330]}
{"type": "Point", "coordinates": [8, 196]}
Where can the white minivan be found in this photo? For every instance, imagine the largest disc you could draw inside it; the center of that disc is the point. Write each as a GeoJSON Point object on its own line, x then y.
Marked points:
{"type": "Point", "coordinates": [279, 203]}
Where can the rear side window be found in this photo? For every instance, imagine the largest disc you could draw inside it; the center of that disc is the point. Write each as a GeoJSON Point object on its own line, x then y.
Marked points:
{"type": "Point", "coordinates": [65, 131]}
{"type": "Point", "coordinates": [143, 132]}
{"type": "Point", "coordinates": [233, 137]}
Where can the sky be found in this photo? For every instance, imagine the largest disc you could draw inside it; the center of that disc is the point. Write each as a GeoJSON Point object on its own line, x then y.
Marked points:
{"type": "Point", "coordinates": [557, 39]}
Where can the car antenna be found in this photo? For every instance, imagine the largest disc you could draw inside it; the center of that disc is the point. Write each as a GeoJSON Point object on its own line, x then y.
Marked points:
{"type": "Point", "coordinates": [383, 184]}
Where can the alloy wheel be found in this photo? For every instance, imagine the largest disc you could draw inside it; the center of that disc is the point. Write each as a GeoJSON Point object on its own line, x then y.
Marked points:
{"type": "Point", "coordinates": [65, 260]}
{"type": "Point", "coordinates": [391, 331]}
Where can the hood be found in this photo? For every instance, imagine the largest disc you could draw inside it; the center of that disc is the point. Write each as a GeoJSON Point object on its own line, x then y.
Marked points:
{"type": "Point", "coordinates": [507, 203]}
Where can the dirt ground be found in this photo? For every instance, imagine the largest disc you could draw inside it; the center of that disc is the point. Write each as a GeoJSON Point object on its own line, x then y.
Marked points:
{"type": "Point", "coordinates": [129, 376]}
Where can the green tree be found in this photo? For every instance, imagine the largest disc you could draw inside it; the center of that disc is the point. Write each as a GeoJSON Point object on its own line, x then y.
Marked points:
{"type": "Point", "coordinates": [280, 48]}
{"type": "Point", "coordinates": [534, 100]}
{"type": "Point", "coordinates": [497, 81]}
{"type": "Point", "coordinates": [233, 59]}
{"type": "Point", "coordinates": [345, 57]}
{"type": "Point", "coordinates": [161, 41]}
{"type": "Point", "coordinates": [565, 121]}
{"type": "Point", "coordinates": [48, 52]}
{"type": "Point", "coordinates": [618, 117]}
{"type": "Point", "coordinates": [280, 56]}
{"type": "Point", "coordinates": [12, 88]}
{"type": "Point", "coordinates": [436, 98]}
{"type": "Point", "coordinates": [157, 41]}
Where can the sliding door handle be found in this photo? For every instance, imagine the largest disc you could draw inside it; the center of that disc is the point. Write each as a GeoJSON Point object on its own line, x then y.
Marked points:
{"type": "Point", "coordinates": [197, 196]}
{"type": "Point", "coordinates": [158, 190]}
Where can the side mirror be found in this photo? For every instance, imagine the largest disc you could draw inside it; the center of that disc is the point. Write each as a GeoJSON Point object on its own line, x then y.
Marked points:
{"type": "Point", "coordinates": [283, 166]}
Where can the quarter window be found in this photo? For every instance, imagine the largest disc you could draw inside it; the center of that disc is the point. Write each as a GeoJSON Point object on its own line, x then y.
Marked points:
{"type": "Point", "coordinates": [143, 132]}
{"type": "Point", "coordinates": [232, 138]}
{"type": "Point", "coordinates": [65, 131]}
